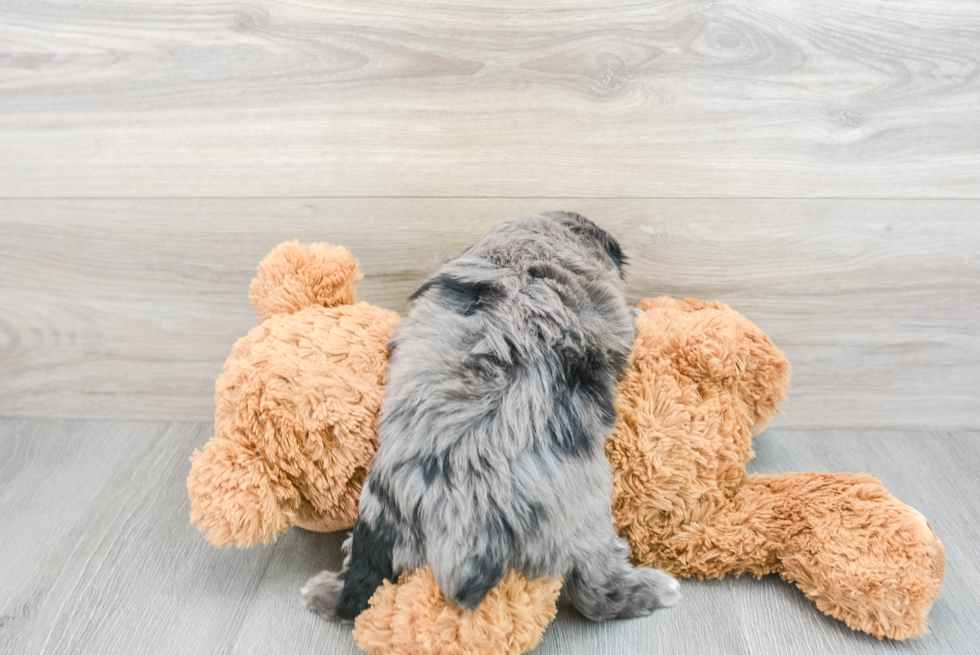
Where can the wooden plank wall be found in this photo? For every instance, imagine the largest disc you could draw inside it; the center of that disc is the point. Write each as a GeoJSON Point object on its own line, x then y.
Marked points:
{"type": "Point", "coordinates": [126, 308]}
{"type": "Point", "coordinates": [556, 98]}
{"type": "Point", "coordinates": [815, 166]}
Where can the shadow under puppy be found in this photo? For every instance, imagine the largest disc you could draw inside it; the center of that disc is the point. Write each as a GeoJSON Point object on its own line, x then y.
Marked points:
{"type": "Point", "coordinates": [498, 400]}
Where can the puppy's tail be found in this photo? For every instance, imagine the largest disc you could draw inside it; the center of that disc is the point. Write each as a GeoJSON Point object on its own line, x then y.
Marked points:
{"type": "Point", "coordinates": [341, 596]}
{"type": "Point", "coordinates": [323, 594]}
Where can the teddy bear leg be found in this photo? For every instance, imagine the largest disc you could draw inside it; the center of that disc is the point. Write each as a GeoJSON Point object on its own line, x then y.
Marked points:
{"type": "Point", "coordinates": [606, 585]}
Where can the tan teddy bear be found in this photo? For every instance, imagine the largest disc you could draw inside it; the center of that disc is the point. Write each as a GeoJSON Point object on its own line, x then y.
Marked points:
{"type": "Point", "coordinates": [296, 428]}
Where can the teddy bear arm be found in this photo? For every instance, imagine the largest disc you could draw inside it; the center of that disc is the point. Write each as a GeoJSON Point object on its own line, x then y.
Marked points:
{"type": "Point", "coordinates": [236, 497]}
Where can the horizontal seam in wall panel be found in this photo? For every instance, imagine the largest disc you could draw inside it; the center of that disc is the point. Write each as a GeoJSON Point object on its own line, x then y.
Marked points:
{"type": "Point", "coordinates": [825, 198]}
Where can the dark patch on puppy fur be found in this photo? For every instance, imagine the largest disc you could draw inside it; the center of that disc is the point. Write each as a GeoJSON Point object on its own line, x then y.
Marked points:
{"type": "Point", "coordinates": [437, 467]}
{"type": "Point", "coordinates": [458, 295]}
{"type": "Point", "coordinates": [371, 565]}
{"type": "Point", "coordinates": [481, 574]}
{"type": "Point", "coordinates": [567, 435]}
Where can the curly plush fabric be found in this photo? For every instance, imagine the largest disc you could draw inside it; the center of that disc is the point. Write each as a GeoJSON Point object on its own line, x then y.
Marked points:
{"type": "Point", "coordinates": [701, 382]}
{"type": "Point", "coordinates": [295, 432]}
{"type": "Point", "coordinates": [295, 276]}
{"type": "Point", "coordinates": [414, 618]}
{"type": "Point", "coordinates": [296, 407]}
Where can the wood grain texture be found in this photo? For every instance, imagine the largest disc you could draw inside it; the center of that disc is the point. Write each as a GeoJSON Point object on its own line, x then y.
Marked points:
{"type": "Point", "coordinates": [111, 564]}
{"type": "Point", "coordinates": [127, 309]}
{"type": "Point", "coordinates": [101, 559]}
{"type": "Point", "coordinates": [416, 98]}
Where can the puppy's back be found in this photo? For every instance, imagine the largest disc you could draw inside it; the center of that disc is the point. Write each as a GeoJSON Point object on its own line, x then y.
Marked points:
{"type": "Point", "coordinates": [499, 399]}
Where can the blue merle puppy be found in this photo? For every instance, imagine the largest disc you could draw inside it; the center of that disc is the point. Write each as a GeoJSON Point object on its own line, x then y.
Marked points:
{"type": "Point", "coordinates": [499, 399]}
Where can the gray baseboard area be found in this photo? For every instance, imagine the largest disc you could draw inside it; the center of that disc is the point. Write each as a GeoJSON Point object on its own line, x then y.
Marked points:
{"type": "Point", "coordinates": [98, 555]}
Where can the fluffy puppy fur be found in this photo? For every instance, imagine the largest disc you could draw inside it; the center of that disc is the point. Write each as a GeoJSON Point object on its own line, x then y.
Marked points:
{"type": "Point", "coordinates": [499, 398]}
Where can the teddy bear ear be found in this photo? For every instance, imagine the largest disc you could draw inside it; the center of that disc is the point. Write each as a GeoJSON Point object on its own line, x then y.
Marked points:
{"type": "Point", "coordinates": [295, 276]}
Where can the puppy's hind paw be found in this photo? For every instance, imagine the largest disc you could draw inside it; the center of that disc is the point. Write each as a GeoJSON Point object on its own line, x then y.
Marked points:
{"type": "Point", "coordinates": [652, 590]}
{"type": "Point", "coordinates": [322, 594]}
{"type": "Point", "coordinates": [668, 589]}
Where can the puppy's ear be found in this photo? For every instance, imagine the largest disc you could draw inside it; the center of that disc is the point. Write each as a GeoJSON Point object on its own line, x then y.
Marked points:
{"type": "Point", "coordinates": [464, 285]}
{"type": "Point", "coordinates": [584, 228]}
{"type": "Point", "coordinates": [611, 246]}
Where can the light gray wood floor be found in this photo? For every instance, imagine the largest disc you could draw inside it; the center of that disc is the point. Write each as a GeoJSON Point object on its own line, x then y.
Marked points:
{"type": "Point", "coordinates": [97, 556]}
